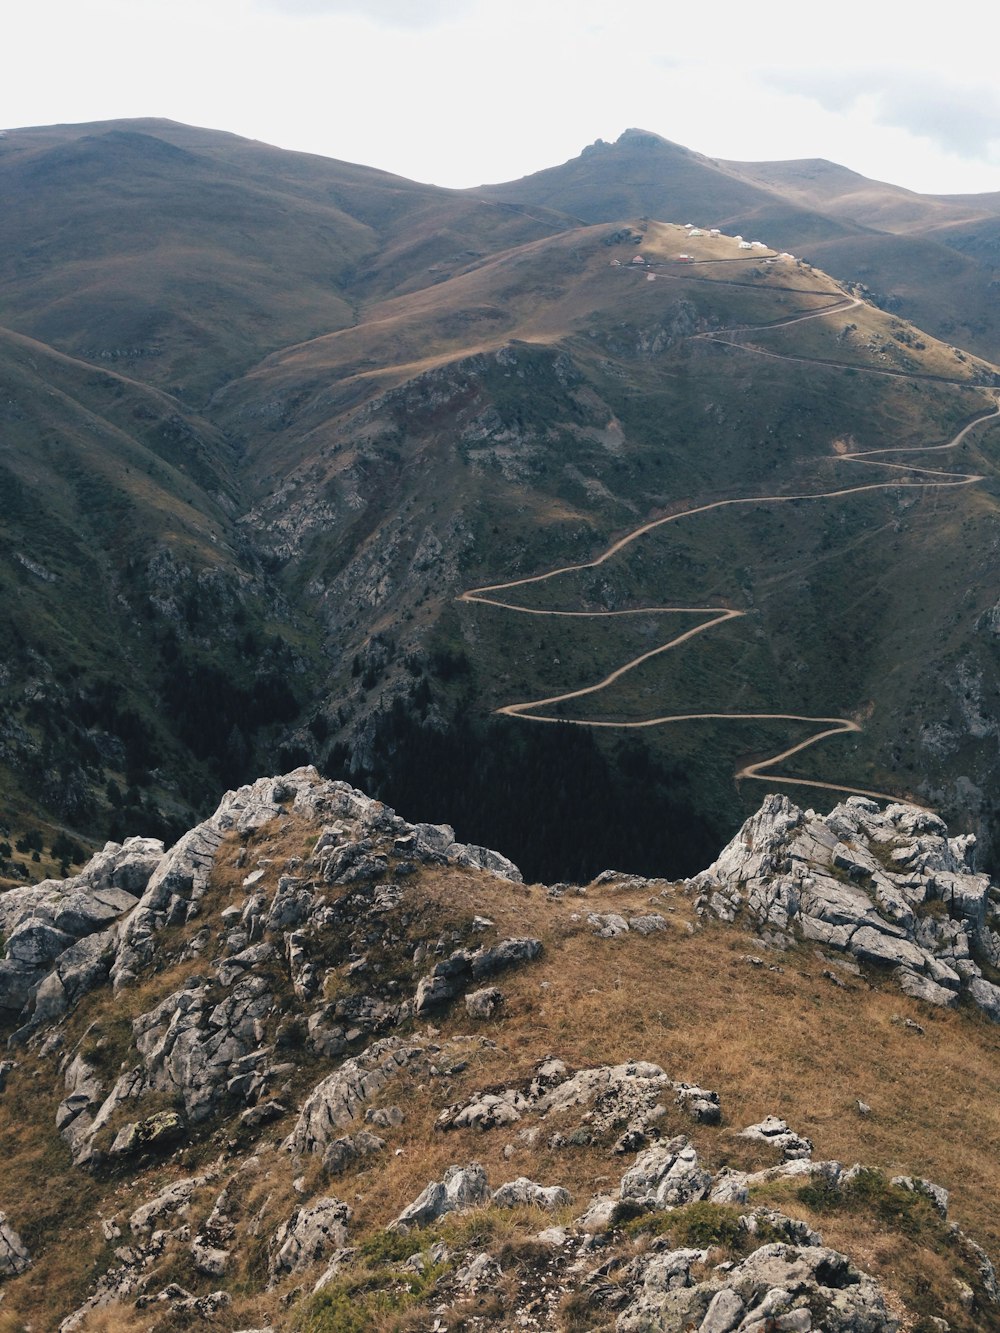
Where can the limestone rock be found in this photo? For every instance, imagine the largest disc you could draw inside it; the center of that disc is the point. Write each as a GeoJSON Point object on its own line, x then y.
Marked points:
{"type": "Point", "coordinates": [308, 1235]}
{"type": "Point", "coordinates": [345, 1152]}
{"type": "Point", "coordinates": [523, 1191]}
{"type": "Point", "coordinates": [775, 1288]}
{"type": "Point", "coordinates": [937, 1194]}
{"type": "Point", "coordinates": [173, 1198]}
{"type": "Point", "coordinates": [14, 1256]}
{"type": "Point", "coordinates": [462, 1187]}
{"type": "Point", "coordinates": [608, 924]}
{"type": "Point", "coordinates": [488, 1111]}
{"type": "Point", "coordinates": [775, 1132]}
{"type": "Point", "coordinates": [483, 1003]}
{"type": "Point", "coordinates": [157, 1133]}
{"type": "Point", "coordinates": [665, 1176]}
{"type": "Point", "coordinates": [341, 1098]}
{"type": "Point", "coordinates": [452, 975]}
{"type": "Point", "coordinates": [700, 1104]}
{"type": "Point", "coordinates": [853, 880]}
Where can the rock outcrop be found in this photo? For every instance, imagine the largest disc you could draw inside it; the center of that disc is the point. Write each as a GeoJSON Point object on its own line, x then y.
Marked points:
{"type": "Point", "coordinates": [294, 996]}
{"type": "Point", "coordinates": [888, 887]}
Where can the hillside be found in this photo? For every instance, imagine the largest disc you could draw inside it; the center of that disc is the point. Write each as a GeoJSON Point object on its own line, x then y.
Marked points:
{"type": "Point", "coordinates": [525, 415]}
{"type": "Point", "coordinates": [309, 462]}
{"type": "Point", "coordinates": [236, 1066]}
{"type": "Point", "coordinates": [929, 259]}
{"type": "Point", "coordinates": [184, 255]}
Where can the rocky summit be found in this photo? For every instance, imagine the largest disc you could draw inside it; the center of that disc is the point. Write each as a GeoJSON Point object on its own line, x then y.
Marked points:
{"type": "Point", "coordinates": [318, 1068]}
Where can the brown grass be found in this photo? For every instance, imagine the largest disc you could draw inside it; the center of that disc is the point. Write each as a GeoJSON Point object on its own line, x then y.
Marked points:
{"type": "Point", "coordinates": [784, 1041]}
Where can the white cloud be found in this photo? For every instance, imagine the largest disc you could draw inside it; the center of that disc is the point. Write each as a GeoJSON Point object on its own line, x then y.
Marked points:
{"type": "Point", "coordinates": [960, 117]}
{"type": "Point", "coordinates": [464, 91]}
{"type": "Point", "coordinates": [391, 13]}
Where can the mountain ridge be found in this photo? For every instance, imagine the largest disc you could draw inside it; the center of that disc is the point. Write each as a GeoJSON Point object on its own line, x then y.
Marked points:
{"type": "Point", "coordinates": [241, 1060]}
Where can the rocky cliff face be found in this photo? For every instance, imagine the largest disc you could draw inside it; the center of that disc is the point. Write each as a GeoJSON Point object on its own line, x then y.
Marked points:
{"type": "Point", "coordinates": [318, 1068]}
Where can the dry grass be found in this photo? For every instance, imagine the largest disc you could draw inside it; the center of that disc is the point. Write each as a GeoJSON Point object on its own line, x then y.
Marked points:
{"type": "Point", "coordinates": [783, 1041]}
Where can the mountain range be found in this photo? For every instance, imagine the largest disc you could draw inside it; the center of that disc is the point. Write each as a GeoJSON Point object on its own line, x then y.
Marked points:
{"type": "Point", "coordinates": [301, 459]}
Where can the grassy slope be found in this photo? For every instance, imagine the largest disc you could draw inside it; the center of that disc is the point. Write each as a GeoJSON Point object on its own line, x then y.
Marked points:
{"type": "Point", "coordinates": [189, 254]}
{"type": "Point", "coordinates": [118, 533]}
{"type": "Point", "coordinates": [835, 625]}
{"type": "Point", "coordinates": [771, 1040]}
{"type": "Point", "coordinates": [901, 245]}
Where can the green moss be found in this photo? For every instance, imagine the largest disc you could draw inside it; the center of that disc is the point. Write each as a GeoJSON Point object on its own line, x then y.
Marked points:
{"type": "Point", "coordinates": [353, 1302]}
{"type": "Point", "coordinates": [696, 1226]}
{"type": "Point", "coordinates": [901, 1210]}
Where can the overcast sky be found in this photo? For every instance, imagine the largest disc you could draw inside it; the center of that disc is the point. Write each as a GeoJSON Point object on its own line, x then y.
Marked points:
{"type": "Point", "coordinates": [463, 92]}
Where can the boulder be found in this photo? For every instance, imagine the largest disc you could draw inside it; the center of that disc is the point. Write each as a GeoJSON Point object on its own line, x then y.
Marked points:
{"type": "Point", "coordinates": [852, 881]}
{"type": "Point", "coordinates": [341, 1098]}
{"type": "Point", "coordinates": [14, 1256]}
{"type": "Point", "coordinates": [774, 1290]}
{"type": "Point", "coordinates": [483, 1003]}
{"type": "Point", "coordinates": [461, 1187]}
{"type": "Point", "coordinates": [775, 1132]}
{"type": "Point", "coordinates": [487, 1111]}
{"type": "Point", "coordinates": [343, 1153]}
{"type": "Point", "coordinates": [173, 1198]}
{"type": "Point", "coordinates": [452, 975]}
{"type": "Point", "coordinates": [665, 1176]}
{"type": "Point", "coordinates": [700, 1104]}
{"type": "Point", "coordinates": [157, 1133]}
{"type": "Point", "coordinates": [522, 1192]}
{"type": "Point", "coordinates": [309, 1234]}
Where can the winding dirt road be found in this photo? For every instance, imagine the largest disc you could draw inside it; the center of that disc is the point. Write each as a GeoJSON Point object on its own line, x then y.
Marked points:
{"type": "Point", "coordinates": [830, 726]}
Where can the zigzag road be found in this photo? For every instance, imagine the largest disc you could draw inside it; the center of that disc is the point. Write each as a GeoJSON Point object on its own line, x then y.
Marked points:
{"type": "Point", "coordinates": [762, 771]}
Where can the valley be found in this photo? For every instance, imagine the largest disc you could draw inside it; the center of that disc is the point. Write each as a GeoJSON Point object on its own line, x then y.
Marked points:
{"type": "Point", "coordinates": [299, 461]}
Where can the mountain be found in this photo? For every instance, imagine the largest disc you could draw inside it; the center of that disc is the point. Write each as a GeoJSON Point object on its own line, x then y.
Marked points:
{"type": "Point", "coordinates": [930, 259]}
{"type": "Point", "coordinates": [188, 254]}
{"type": "Point", "coordinates": [304, 460]}
{"type": "Point", "coordinates": [318, 1068]}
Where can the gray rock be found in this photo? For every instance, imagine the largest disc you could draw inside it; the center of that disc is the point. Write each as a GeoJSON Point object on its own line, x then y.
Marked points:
{"type": "Point", "coordinates": [208, 1259]}
{"type": "Point", "coordinates": [482, 1270]}
{"type": "Point", "coordinates": [483, 1003]}
{"type": "Point", "coordinates": [772, 1291]}
{"type": "Point", "coordinates": [14, 1256]}
{"type": "Point", "coordinates": [452, 975]}
{"type": "Point", "coordinates": [665, 1176]}
{"type": "Point", "coordinates": [487, 1111]}
{"type": "Point", "coordinates": [852, 880]}
{"type": "Point", "coordinates": [700, 1104]}
{"type": "Point", "coordinates": [986, 996]}
{"type": "Point", "coordinates": [173, 1198]}
{"type": "Point", "coordinates": [937, 1194]}
{"type": "Point", "coordinates": [384, 1117]}
{"type": "Point", "coordinates": [341, 1098]}
{"type": "Point", "coordinates": [724, 1313]}
{"type": "Point", "coordinates": [730, 1187]}
{"type": "Point", "coordinates": [923, 988]}
{"type": "Point", "coordinates": [462, 1187]}
{"type": "Point", "coordinates": [775, 1132]}
{"type": "Point", "coordinates": [648, 924]}
{"type": "Point", "coordinates": [157, 1133]}
{"type": "Point", "coordinates": [345, 1152]}
{"type": "Point", "coordinates": [525, 1192]}
{"type": "Point", "coordinates": [598, 1213]}
{"type": "Point", "coordinates": [607, 924]}
{"type": "Point", "coordinates": [309, 1234]}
